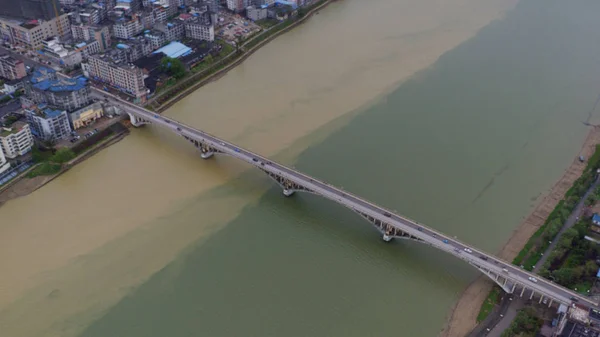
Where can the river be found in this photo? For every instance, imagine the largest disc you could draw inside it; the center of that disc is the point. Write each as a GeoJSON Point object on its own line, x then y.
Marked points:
{"type": "Point", "coordinates": [456, 113]}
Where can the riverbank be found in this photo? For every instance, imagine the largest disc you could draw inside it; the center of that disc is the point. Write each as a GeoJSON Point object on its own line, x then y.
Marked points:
{"type": "Point", "coordinates": [241, 58]}
{"type": "Point", "coordinates": [21, 186]}
{"type": "Point", "coordinates": [463, 317]}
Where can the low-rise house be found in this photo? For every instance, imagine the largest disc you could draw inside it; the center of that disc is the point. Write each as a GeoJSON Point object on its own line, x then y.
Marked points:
{"type": "Point", "coordinates": [86, 116]}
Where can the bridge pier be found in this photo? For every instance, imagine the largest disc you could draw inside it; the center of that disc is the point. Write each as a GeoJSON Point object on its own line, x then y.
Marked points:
{"type": "Point", "coordinates": [206, 154]}
{"type": "Point", "coordinates": [288, 192]}
{"type": "Point", "coordinates": [136, 121]}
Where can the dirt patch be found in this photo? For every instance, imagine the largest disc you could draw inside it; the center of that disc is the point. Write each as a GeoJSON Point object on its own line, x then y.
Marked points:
{"type": "Point", "coordinates": [463, 317]}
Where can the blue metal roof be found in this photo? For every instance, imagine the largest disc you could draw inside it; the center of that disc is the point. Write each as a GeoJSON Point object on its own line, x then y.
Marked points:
{"type": "Point", "coordinates": [41, 74]}
{"type": "Point", "coordinates": [122, 46]}
{"type": "Point", "coordinates": [596, 218]}
{"type": "Point", "coordinates": [598, 273]}
{"type": "Point", "coordinates": [174, 50]}
{"type": "Point", "coordinates": [62, 85]}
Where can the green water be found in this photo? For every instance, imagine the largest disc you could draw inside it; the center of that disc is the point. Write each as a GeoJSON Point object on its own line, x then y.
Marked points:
{"type": "Point", "coordinates": [464, 147]}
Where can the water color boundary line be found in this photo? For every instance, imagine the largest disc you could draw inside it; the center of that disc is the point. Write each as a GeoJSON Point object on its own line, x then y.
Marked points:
{"type": "Point", "coordinates": [167, 104]}
{"type": "Point", "coordinates": [463, 316]}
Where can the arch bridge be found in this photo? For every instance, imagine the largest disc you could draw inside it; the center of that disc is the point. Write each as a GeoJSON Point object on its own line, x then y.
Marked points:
{"type": "Point", "coordinates": [512, 279]}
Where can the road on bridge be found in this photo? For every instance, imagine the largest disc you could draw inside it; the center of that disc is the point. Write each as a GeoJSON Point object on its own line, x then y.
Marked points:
{"type": "Point", "coordinates": [483, 261]}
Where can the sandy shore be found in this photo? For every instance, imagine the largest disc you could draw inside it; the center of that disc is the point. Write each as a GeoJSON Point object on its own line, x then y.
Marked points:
{"type": "Point", "coordinates": [23, 186]}
{"type": "Point", "coordinates": [463, 317]}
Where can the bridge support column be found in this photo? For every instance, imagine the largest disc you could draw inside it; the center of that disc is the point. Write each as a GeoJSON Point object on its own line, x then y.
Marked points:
{"type": "Point", "coordinates": [136, 121]}
{"type": "Point", "coordinates": [287, 192]}
{"type": "Point", "coordinates": [206, 151]}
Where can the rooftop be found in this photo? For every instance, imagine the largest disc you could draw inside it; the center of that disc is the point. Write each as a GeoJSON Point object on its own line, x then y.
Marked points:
{"type": "Point", "coordinates": [41, 74]}
{"type": "Point", "coordinates": [174, 50]}
{"type": "Point", "coordinates": [14, 128]}
{"type": "Point", "coordinates": [62, 85]}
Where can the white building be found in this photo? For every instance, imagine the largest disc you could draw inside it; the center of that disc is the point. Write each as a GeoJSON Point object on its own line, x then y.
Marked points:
{"type": "Point", "coordinates": [199, 31]}
{"type": "Point", "coordinates": [16, 140]}
{"type": "Point", "coordinates": [66, 57]}
{"type": "Point", "coordinates": [4, 165]}
{"type": "Point", "coordinates": [256, 13]}
{"type": "Point", "coordinates": [126, 77]}
{"type": "Point", "coordinates": [48, 124]}
{"type": "Point", "coordinates": [125, 28]}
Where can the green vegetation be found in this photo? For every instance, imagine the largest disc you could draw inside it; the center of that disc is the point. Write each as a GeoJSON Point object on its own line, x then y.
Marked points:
{"type": "Point", "coordinates": [540, 240]}
{"type": "Point", "coordinates": [489, 304]}
{"type": "Point", "coordinates": [49, 163]}
{"type": "Point", "coordinates": [173, 67]}
{"type": "Point", "coordinates": [526, 324]}
{"type": "Point", "coordinates": [44, 169]}
{"type": "Point", "coordinates": [266, 23]}
{"type": "Point", "coordinates": [572, 263]}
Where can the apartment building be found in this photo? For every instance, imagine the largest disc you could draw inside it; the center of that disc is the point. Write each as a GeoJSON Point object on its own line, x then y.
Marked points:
{"type": "Point", "coordinates": [173, 30]}
{"type": "Point", "coordinates": [31, 34]}
{"type": "Point", "coordinates": [125, 77]}
{"type": "Point", "coordinates": [87, 33]}
{"type": "Point", "coordinates": [16, 139]}
{"type": "Point", "coordinates": [127, 27]}
{"type": "Point", "coordinates": [65, 93]}
{"type": "Point", "coordinates": [12, 68]}
{"type": "Point", "coordinates": [237, 6]}
{"type": "Point", "coordinates": [200, 27]}
{"type": "Point", "coordinates": [4, 165]}
{"type": "Point", "coordinates": [48, 124]}
{"type": "Point", "coordinates": [256, 13]}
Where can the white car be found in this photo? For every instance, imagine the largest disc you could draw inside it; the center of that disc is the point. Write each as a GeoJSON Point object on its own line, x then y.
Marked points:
{"type": "Point", "coordinates": [532, 279]}
{"type": "Point", "coordinates": [468, 250]}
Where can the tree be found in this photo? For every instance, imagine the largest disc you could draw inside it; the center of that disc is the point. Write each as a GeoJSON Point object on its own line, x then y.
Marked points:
{"type": "Point", "coordinates": [209, 59]}
{"type": "Point", "coordinates": [173, 67]}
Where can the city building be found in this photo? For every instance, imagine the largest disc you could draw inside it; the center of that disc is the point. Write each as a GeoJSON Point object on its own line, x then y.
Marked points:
{"type": "Point", "coordinates": [4, 165]}
{"type": "Point", "coordinates": [125, 77]}
{"type": "Point", "coordinates": [173, 30]}
{"type": "Point", "coordinates": [133, 49]}
{"type": "Point", "coordinates": [200, 27]}
{"type": "Point", "coordinates": [30, 9]}
{"type": "Point", "coordinates": [157, 38]}
{"type": "Point", "coordinates": [16, 139]}
{"type": "Point", "coordinates": [256, 13]}
{"type": "Point", "coordinates": [11, 68]}
{"type": "Point", "coordinates": [65, 93]}
{"type": "Point", "coordinates": [87, 48]}
{"type": "Point", "coordinates": [13, 85]}
{"type": "Point", "coordinates": [127, 27]}
{"type": "Point", "coordinates": [87, 33]}
{"type": "Point", "coordinates": [86, 116]}
{"type": "Point", "coordinates": [237, 6]}
{"type": "Point", "coordinates": [64, 56]}
{"type": "Point", "coordinates": [48, 124]}
{"type": "Point", "coordinates": [263, 3]}
{"type": "Point", "coordinates": [86, 16]}
{"type": "Point", "coordinates": [31, 34]}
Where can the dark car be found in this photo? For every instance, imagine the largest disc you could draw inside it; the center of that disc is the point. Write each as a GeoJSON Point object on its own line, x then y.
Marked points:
{"type": "Point", "coordinates": [483, 258]}
{"type": "Point", "coordinates": [387, 214]}
{"type": "Point", "coordinates": [574, 299]}
{"type": "Point", "coordinates": [178, 129]}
